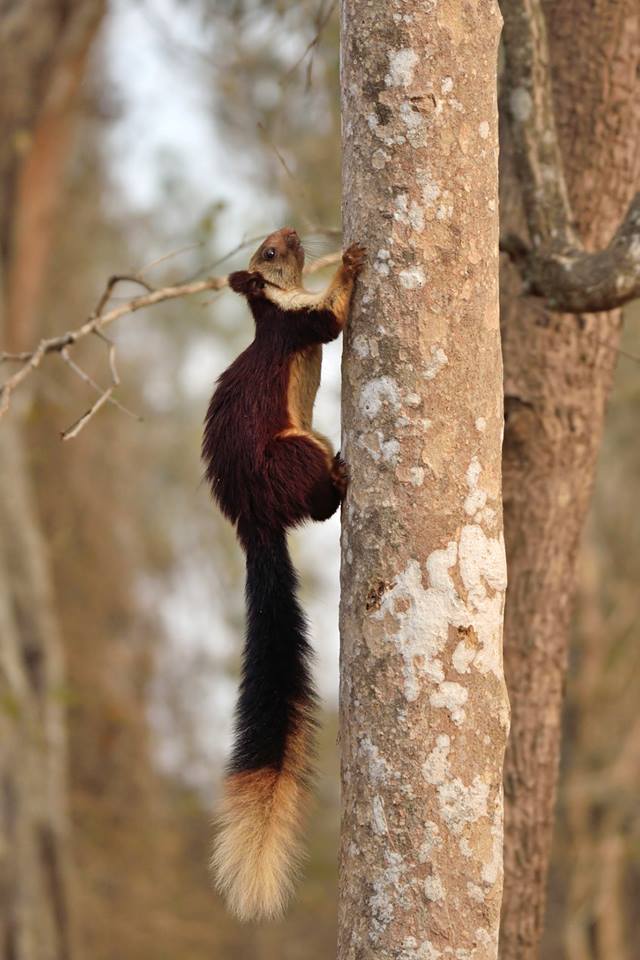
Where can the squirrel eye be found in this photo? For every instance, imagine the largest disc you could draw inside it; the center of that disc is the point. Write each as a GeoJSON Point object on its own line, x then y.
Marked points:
{"type": "Point", "coordinates": [269, 254]}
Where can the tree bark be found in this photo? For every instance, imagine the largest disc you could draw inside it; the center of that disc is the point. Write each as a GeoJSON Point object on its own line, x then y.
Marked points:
{"type": "Point", "coordinates": [47, 42]}
{"type": "Point", "coordinates": [34, 919]}
{"type": "Point", "coordinates": [558, 372]}
{"type": "Point", "coordinates": [424, 712]}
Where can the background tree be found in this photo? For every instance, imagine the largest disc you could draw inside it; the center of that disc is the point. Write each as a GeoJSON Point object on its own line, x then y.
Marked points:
{"type": "Point", "coordinates": [571, 111]}
{"type": "Point", "coordinates": [424, 712]}
{"type": "Point", "coordinates": [38, 83]}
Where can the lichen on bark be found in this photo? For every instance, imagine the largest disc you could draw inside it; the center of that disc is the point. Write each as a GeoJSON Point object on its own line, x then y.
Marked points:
{"type": "Point", "coordinates": [424, 712]}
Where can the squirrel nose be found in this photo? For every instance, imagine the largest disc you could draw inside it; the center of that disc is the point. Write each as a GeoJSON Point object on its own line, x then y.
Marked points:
{"type": "Point", "coordinates": [291, 237]}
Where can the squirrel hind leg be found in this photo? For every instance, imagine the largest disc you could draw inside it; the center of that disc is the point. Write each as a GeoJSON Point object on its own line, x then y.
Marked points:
{"type": "Point", "coordinates": [329, 492]}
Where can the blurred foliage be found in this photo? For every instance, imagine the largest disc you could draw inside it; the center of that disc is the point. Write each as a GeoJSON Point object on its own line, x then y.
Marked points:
{"type": "Point", "coordinates": [135, 543]}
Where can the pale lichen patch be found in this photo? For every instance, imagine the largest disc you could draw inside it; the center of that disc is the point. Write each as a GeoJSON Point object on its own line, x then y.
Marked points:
{"type": "Point", "coordinates": [475, 892]}
{"type": "Point", "coordinates": [430, 189]}
{"type": "Point", "coordinates": [380, 158]}
{"type": "Point", "coordinates": [382, 263]}
{"type": "Point", "coordinates": [401, 67]}
{"type": "Point", "coordinates": [482, 563]}
{"type": "Point", "coordinates": [435, 769]}
{"type": "Point", "coordinates": [380, 771]}
{"type": "Point", "coordinates": [432, 840]}
{"type": "Point", "coordinates": [477, 498]}
{"type": "Point", "coordinates": [408, 212]}
{"type": "Point", "coordinates": [389, 891]}
{"type": "Point", "coordinates": [414, 123]}
{"type": "Point", "coordinates": [433, 888]}
{"type": "Point", "coordinates": [412, 278]}
{"type": "Point", "coordinates": [461, 804]}
{"type": "Point", "coordinates": [463, 657]}
{"type": "Point", "coordinates": [411, 950]}
{"type": "Point", "coordinates": [422, 617]}
{"type": "Point", "coordinates": [450, 696]}
{"type": "Point", "coordinates": [378, 819]}
{"type": "Point", "coordinates": [436, 362]}
{"type": "Point", "coordinates": [360, 346]}
{"type": "Point", "coordinates": [379, 448]}
{"type": "Point", "coordinates": [376, 393]}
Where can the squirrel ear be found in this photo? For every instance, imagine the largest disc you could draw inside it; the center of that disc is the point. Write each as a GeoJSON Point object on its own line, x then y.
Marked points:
{"type": "Point", "coordinates": [244, 282]}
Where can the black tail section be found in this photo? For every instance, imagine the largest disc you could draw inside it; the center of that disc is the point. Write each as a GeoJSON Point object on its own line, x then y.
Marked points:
{"type": "Point", "coordinates": [276, 693]}
{"type": "Point", "coordinates": [257, 847]}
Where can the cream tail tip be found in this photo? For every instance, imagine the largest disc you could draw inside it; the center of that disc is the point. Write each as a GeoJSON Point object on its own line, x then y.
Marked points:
{"type": "Point", "coordinates": [257, 854]}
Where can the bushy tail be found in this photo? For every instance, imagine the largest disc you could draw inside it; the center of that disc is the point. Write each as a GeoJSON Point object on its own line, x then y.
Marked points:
{"type": "Point", "coordinates": [257, 847]}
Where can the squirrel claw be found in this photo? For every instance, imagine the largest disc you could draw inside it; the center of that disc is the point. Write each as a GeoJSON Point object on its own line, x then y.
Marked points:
{"type": "Point", "coordinates": [340, 475]}
{"type": "Point", "coordinates": [353, 258]}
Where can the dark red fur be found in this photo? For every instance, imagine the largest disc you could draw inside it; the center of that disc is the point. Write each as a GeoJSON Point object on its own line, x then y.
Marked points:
{"type": "Point", "coordinates": [262, 482]}
{"type": "Point", "coordinates": [266, 484]}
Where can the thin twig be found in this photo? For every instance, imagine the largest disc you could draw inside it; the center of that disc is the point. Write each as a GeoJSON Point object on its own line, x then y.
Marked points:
{"type": "Point", "coordinates": [96, 386]}
{"type": "Point", "coordinates": [277, 152]}
{"type": "Point", "coordinates": [321, 22]}
{"type": "Point", "coordinates": [112, 282]}
{"type": "Point", "coordinates": [169, 256]}
{"type": "Point", "coordinates": [106, 396]}
{"type": "Point", "coordinates": [76, 427]}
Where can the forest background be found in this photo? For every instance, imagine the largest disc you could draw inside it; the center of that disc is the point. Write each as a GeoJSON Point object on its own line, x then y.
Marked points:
{"type": "Point", "coordinates": [198, 127]}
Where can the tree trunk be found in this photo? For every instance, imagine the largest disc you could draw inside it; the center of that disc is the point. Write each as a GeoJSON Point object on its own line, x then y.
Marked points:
{"type": "Point", "coordinates": [424, 712]}
{"type": "Point", "coordinates": [34, 923]}
{"type": "Point", "coordinates": [558, 372]}
{"type": "Point", "coordinates": [38, 79]}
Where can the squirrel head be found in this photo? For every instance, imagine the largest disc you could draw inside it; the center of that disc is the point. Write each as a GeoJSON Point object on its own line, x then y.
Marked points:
{"type": "Point", "coordinates": [280, 259]}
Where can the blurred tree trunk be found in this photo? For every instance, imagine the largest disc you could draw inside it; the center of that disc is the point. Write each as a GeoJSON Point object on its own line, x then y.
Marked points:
{"type": "Point", "coordinates": [45, 45]}
{"type": "Point", "coordinates": [424, 712]}
{"type": "Point", "coordinates": [600, 804]}
{"type": "Point", "coordinates": [558, 373]}
{"type": "Point", "coordinates": [33, 874]}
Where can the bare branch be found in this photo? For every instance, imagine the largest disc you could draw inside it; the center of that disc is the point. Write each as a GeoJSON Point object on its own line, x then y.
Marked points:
{"type": "Point", "coordinates": [76, 427]}
{"type": "Point", "coordinates": [84, 376]}
{"type": "Point", "coordinates": [556, 266]}
{"type": "Point", "coordinates": [169, 256]}
{"type": "Point", "coordinates": [106, 396]}
{"type": "Point", "coordinates": [322, 20]}
{"type": "Point", "coordinates": [97, 322]}
{"type": "Point", "coordinates": [95, 325]}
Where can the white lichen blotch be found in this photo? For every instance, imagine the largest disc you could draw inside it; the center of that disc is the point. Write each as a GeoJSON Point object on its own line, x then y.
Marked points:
{"type": "Point", "coordinates": [412, 278]}
{"type": "Point", "coordinates": [376, 393]}
{"type": "Point", "coordinates": [435, 363]}
{"type": "Point", "coordinates": [401, 67]}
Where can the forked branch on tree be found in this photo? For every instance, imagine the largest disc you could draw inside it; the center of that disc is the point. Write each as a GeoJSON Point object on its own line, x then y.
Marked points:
{"type": "Point", "coordinates": [554, 264]}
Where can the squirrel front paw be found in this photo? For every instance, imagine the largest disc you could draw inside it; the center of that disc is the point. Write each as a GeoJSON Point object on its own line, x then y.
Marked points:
{"type": "Point", "coordinates": [353, 258]}
{"type": "Point", "coordinates": [245, 282]}
{"type": "Point", "coordinates": [340, 476]}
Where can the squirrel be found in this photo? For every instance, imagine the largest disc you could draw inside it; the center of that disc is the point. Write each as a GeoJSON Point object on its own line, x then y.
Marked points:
{"type": "Point", "coordinates": [269, 471]}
